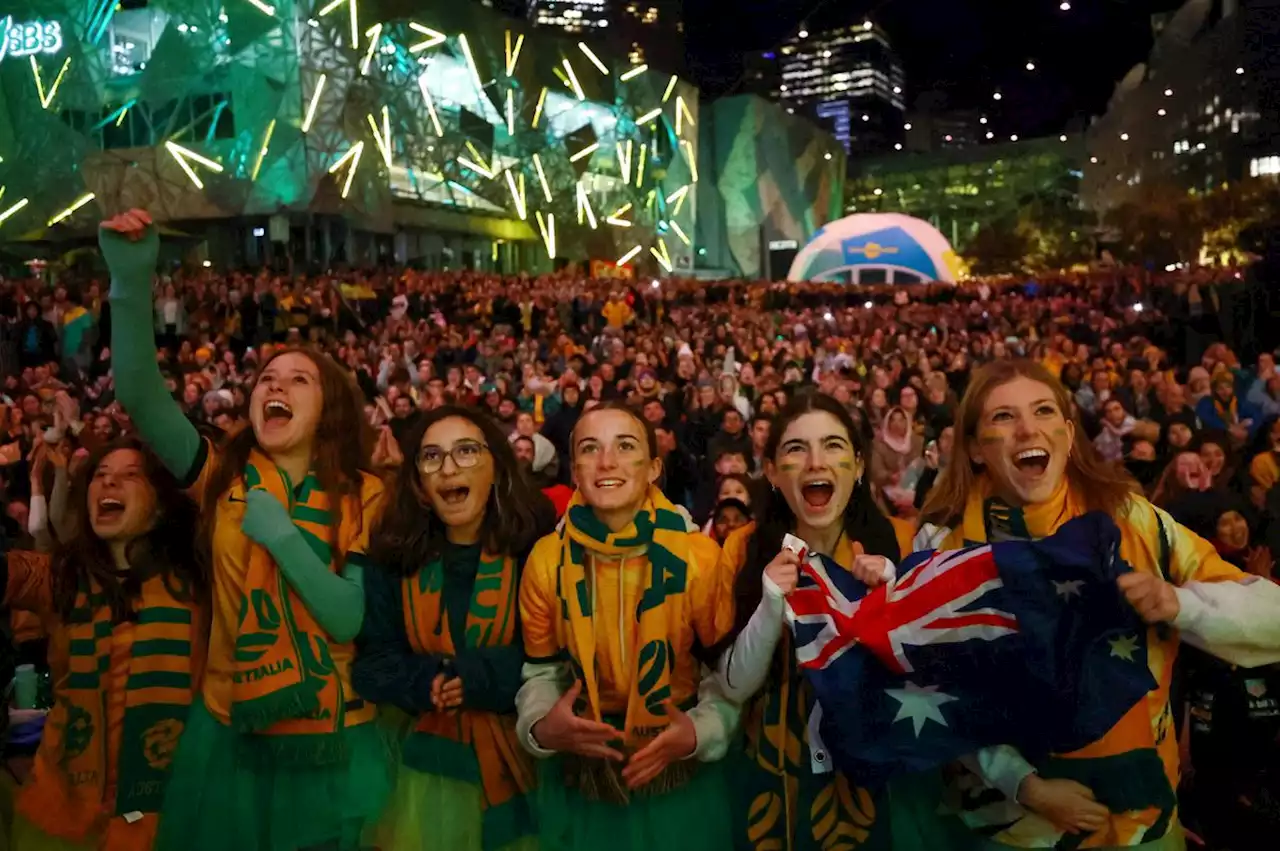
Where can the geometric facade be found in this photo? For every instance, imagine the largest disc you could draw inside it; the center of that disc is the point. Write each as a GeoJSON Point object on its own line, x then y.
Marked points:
{"type": "Point", "coordinates": [772, 179]}
{"type": "Point", "coordinates": [394, 116]}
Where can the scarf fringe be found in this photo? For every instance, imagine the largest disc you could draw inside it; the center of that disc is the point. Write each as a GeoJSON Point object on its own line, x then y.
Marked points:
{"type": "Point", "coordinates": [598, 780]}
{"type": "Point", "coordinates": [306, 750]}
{"type": "Point", "coordinates": [251, 716]}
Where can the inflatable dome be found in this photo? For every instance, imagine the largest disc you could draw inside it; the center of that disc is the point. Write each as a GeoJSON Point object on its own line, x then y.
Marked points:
{"type": "Point", "coordinates": [894, 248]}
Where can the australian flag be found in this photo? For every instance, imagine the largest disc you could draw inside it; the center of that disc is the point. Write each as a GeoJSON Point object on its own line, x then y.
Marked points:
{"type": "Point", "coordinates": [1024, 643]}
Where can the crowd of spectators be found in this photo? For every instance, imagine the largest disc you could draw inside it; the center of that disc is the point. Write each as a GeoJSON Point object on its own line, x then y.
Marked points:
{"type": "Point", "coordinates": [1174, 376]}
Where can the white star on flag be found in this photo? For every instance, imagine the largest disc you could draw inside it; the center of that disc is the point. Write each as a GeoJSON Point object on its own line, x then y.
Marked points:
{"type": "Point", "coordinates": [919, 704]}
{"type": "Point", "coordinates": [1067, 590]}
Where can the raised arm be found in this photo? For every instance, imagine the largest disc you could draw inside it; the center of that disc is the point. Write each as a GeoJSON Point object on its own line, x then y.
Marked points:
{"type": "Point", "coordinates": [130, 245]}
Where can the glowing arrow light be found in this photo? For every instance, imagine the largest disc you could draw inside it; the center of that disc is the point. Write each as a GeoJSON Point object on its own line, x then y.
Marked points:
{"type": "Point", "coordinates": [649, 116]}
{"type": "Point", "coordinates": [548, 228]}
{"type": "Point", "coordinates": [585, 152]}
{"type": "Point", "coordinates": [666, 264]}
{"type": "Point", "coordinates": [680, 233]}
{"type": "Point", "coordinates": [181, 155]}
{"type": "Point", "coordinates": [353, 156]}
{"type": "Point", "coordinates": [431, 105]}
{"type": "Point", "coordinates": [616, 219]}
{"type": "Point", "coordinates": [584, 207]}
{"type": "Point", "coordinates": [15, 208]}
{"type": "Point", "coordinates": [542, 176]}
{"type": "Point", "coordinates": [595, 60]}
{"type": "Point", "coordinates": [262, 152]}
{"type": "Point", "coordinates": [66, 214]}
{"type": "Point", "coordinates": [671, 87]}
{"type": "Point", "coordinates": [433, 37]}
{"type": "Point", "coordinates": [573, 81]}
{"type": "Point", "coordinates": [517, 195]}
{"type": "Point", "coordinates": [629, 256]}
{"type": "Point", "coordinates": [263, 7]}
{"type": "Point", "coordinates": [315, 100]}
{"type": "Point", "coordinates": [634, 72]}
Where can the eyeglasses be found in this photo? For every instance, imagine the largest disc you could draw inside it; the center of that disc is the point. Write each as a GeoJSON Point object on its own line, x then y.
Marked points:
{"type": "Point", "coordinates": [464, 455]}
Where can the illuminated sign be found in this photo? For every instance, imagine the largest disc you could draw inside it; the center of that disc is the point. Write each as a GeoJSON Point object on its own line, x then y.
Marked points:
{"type": "Point", "coordinates": [27, 39]}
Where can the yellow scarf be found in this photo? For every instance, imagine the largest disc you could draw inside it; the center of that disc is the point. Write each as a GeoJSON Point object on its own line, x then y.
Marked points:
{"type": "Point", "coordinates": [285, 684]}
{"type": "Point", "coordinates": [505, 771]}
{"type": "Point", "coordinates": [989, 518]}
{"type": "Point", "coordinates": [659, 534]}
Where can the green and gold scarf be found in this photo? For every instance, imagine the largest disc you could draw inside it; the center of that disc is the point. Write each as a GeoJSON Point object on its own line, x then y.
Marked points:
{"type": "Point", "coordinates": [285, 684]}
{"type": "Point", "coordinates": [163, 671]}
{"type": "Point", "coordinates": [472, 745]}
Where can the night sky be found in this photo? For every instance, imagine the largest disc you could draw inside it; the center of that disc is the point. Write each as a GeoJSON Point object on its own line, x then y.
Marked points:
{"type": "Point", "coordinates": [960, 50]}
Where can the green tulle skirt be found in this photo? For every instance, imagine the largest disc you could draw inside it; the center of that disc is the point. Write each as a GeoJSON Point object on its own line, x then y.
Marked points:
{"type": "Point", "coordinates": [428, 812]}
{"type": "Point", "coordinates": [219, 800]}
{"type": "Point", "coordinates": [694, 817]}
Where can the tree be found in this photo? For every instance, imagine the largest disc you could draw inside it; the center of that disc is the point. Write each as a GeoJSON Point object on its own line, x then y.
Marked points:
{"type": "Point", "coordinates": [998, 248]}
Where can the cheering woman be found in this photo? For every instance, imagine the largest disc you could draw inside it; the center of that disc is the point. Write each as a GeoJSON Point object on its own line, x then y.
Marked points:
{"type": "Point", "coordinates": [278, 753]}
{"type": "Point", "coordinates": [1021, 468]}
{"type": "Point", "coordinates": [786, 796]}
{"type": "Point", "coordinates": [124, 600]}
{"type": "Point", "coordinates": [441, 637]}
{"type": "Point", "coordinates": [617, 605]}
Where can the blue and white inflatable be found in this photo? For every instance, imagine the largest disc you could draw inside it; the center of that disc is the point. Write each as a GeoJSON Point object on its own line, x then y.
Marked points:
{"type": "Point", "coordinates": [900, 249]}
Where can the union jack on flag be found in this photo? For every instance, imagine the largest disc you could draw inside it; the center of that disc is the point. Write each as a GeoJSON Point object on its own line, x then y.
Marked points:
{"type": "Point", "coordinates": [928, 605]}
{"type": "Point", "coordinates": [1026, 643]}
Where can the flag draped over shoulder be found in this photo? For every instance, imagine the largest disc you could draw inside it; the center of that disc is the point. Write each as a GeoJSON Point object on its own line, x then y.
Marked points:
{"type": "Point", "coordinates": [1025, 643]}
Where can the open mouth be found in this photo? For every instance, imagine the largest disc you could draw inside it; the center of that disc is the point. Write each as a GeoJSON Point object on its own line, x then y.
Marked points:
{"type": "Point", "coordinates": [110, 509]}
{"type": "Point", "coordinates": [1032, 462]}
{"type": "Point", "coordinates": [276, 412]}
{"type": "Point", "coordinates": [818, 493]}
{"type": "Point", "coordinates": [609, 484]}
{"type": "Point", "coordinates": [455, 496]}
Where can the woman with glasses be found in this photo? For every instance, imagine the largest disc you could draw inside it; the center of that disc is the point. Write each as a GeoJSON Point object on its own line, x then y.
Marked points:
{"type": "Point", "coordinates": [279, 753]}
{"type": "Point", "coordinates": [617, 605]}
{"type": "Point", "coordinates": [441, 637]}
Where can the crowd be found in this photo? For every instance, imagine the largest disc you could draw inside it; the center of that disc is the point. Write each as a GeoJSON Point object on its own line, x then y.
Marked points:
{"type": "Point", "coordinates": [453, 560]}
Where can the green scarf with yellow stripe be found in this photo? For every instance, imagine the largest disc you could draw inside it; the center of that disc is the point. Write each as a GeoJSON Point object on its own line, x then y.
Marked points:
{"type": "Point", "coordinates": [157, 696]}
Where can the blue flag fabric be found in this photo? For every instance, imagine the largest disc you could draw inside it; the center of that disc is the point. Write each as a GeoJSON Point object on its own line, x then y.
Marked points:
{"type": "Point", "coordinates": [1025, 643]}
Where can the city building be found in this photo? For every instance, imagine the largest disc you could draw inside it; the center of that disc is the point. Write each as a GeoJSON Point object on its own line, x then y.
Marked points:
{"type": "Point", "coordinates": [648, 32]}
{"type": "Point", "coordinates": [848, 78]}
{"type": "Point", "coordinates": [457, 138]}
{"type": "Point", "coordinates": [779, 179]}
{"type": "Point", "coordinates": [1203, 110]}
{"type": "Point", "coordinates": [959, 190]}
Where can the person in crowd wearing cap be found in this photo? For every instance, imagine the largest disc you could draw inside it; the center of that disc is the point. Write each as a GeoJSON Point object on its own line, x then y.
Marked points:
{"type": "Point", "coordinates": [279, 753]}
{"type": "Point", "coordinates": [816, 462]}
{"type": "Point", "coordinates": [615, 607]}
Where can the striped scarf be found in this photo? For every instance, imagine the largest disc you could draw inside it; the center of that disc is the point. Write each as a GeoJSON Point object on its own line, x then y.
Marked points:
{"type": "Point", "coordinates": [492, 754]}
{"type": "Point", "coordinates": [158, 690]}
{"type": "Point", "coordinates": [658, 535]}
{"type": "Point", "coordinates": [285, 684]}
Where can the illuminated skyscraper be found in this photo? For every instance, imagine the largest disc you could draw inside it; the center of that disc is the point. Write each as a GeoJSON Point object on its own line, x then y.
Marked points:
{"type": "Point", "coordinates": [572, 16]}
{"type": "Point", "coordinates": [847, 78]}
{"type": "Point", "coordinates": [649, 32]}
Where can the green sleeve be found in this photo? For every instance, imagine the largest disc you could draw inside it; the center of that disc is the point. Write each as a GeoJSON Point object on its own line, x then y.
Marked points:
{"type": "Point", "coordinates": [335, 601]}
{"type": "Point", "coordinates": [139, 385]}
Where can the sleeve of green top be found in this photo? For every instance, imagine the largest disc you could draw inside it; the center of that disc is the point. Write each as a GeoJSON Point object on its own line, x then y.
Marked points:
{"type": "Point", "coordinates": [335, 601]}
{"type": "Point", "coordinates": [139, 385]}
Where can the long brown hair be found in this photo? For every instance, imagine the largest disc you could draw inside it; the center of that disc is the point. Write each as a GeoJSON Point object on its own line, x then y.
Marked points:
{"type": "Point", "coordinates": [1102, 486]}
{"type": "Point", "coordinates": [168, 549]}
{"type": "Point", "coordinates": [410, 536]}
{"type": "Point", "coordinates": [342, 448]}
